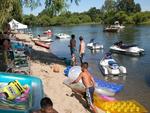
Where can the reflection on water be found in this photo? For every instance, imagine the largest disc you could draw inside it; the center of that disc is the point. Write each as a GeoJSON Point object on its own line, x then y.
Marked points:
{"type": "Point", "coordinates": [137, 84]}
{"type": "Point", "coordinates": [96, 51]}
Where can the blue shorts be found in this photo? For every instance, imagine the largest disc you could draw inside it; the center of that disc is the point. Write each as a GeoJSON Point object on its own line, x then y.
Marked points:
{"type": "Point", "coordinates": [89, 95]}
{"type": "Point", "coordinates": [72, 50]}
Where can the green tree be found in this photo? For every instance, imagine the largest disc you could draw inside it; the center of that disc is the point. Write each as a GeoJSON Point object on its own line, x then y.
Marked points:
{"type": "Point", "coordinates": [5, 8]}
{"type": "Point", "coordinates": [128, 6]}
{"type": "Point", "coordinates": [109, 6]}
{"type": "Point", "coordinates": [121, 16]}
{"type": "Point", "coordinates": [137, 8]}
{"type": "Point", "coordinates": [95, 14]}
{"type": "Point", "coordinates": [30, 20]}
{"type": "Point", "coordinates": [16, 13]}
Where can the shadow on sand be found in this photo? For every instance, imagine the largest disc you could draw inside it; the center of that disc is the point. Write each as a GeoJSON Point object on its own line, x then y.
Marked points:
{"type": "Point", "coordinates": [45, 57]}
{"type": "Point", "coordinates": [81, 99]}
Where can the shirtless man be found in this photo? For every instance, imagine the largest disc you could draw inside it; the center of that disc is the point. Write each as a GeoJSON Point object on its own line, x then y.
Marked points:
{"type": "Point", "coordinates": [81, 48]}
{"type": "Point", "coordinates": [89, 84]}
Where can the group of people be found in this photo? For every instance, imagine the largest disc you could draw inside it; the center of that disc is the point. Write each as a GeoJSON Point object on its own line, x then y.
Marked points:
{"type": "Point", "coordinates": [88, 82]}
{"type": "Point", "coordinates": [85, 76]}
{"type": "Point", "coordinates": [73, 49]}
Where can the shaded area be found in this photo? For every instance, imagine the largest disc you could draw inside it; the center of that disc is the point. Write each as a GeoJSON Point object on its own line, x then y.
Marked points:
{"type": "Point", "coordinates": [81, 99]}
{"type": "Point", "coordinates": [147, 80]}
{"type": "Point", "coordinates": [45, 57]}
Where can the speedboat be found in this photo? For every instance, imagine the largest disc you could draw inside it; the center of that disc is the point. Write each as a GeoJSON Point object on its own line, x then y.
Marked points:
{"type": "Point", "coordinates": [109, 66]}
{"type": "Point", "coordinates": [119, 47]}
{"type": "Point", "coordinates": [111, 29]}
{"type": "Point", "coordinates": [94, 45]}
{"type": "Point", "coordinates": [62, 36]}
{"type": "Point", "coordinates": [117, 25]}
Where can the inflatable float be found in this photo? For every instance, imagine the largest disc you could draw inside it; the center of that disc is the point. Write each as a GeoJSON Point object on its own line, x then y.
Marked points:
{"type": "Point", "coordinates": [74, 73]}
{"type": "Point", "coordinates": [130, 106]}
{"type": "Point", "coordinates": [21, 104]}
{"type": "Point", "coordinates": [108, 85]}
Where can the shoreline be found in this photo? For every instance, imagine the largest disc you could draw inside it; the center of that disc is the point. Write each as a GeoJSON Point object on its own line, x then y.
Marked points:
{"type": "Point", "coordinates": [42, 65]}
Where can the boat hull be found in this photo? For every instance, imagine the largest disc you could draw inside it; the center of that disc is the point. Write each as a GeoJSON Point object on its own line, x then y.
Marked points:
{"type": "Point", "coordinates": [127, 52]}
{"type": "Point", "coordinates": [38, 43]}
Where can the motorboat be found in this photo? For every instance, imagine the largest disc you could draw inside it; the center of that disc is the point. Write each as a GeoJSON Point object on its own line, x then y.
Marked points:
{"type": "Point", "coordinates": [117, 25]}
{"type": "Point", "coordinates": [114, 28]}
{"type": "Point", "coordinates": [62, 36]}
{"type": "Point", "coordinates": [94, 45]}
{"type": "Point", "coordinates": [120, 47]}
{"type": "Point", "coordinates": [109, 66]}
{"type": "Point", "coordinates": [111, 29]}
{"type": "Point", "coordinates": [48, 32]}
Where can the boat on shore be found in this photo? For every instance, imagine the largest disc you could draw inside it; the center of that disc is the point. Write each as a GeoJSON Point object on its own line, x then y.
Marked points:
{"type": "Point", "coordinates": [120, 47]}
{"type": "Point", "coordinates": [44, 38]}
{"type": "Point", "coordinates": [38, 43]}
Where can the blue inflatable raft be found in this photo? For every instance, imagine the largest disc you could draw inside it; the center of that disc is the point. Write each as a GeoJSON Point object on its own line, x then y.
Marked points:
{"type": "Point", "coordinates": [108, 85]}
{"type": "Point", "coordinates": [33, 101]}
{"type": "Point", "coordinates": [113, 87]}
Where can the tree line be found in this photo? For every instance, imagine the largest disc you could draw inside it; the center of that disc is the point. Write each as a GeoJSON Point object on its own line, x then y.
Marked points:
{"type": "Point", "coordinates": [56, 13]}
{"type": "Point", "coordinates": [124, 11]}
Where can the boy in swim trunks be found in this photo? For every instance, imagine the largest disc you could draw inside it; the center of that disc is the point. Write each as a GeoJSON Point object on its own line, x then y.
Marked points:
{"type": "Point", "coordinates": [89, 84]}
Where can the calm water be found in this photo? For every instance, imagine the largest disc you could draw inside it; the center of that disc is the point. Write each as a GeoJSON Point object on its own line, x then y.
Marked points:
{"type": "Point", "coordinates": [137, 84]}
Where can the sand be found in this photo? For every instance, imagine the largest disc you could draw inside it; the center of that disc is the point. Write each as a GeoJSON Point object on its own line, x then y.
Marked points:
{"type": "Point", "coordinates": [42, 65]}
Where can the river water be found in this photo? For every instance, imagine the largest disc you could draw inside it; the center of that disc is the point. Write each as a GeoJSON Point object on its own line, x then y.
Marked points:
{"type": "Point", "coordinates": [137, 83]}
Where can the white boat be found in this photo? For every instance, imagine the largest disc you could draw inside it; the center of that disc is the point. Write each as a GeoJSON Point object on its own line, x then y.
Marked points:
{"type": "Point", "coordinates": [62, 36]}
{"type": "Point", "coordinates": [117, 25]}
{"type": "Point", "coordinates": [111, 29]}
{"type": "Point", "coordinates": [109, 66]}
{"type": "Point", "coordinates": [45, 40]}
{"type": "Point", "coordinates": [48, 32]}
{"type": "Point", "coordinates": [42, 39]}
{"type": "Point", "coordinates": [119, 47]}
{"type": "Point", "coordinates": [94, 45]}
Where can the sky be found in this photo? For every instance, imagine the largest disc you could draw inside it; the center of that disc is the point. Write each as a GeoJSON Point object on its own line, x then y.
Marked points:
{"type": "Point", "coordinates": [85, 6]}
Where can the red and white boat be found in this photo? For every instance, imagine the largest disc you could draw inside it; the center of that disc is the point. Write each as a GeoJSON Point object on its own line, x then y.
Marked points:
{"type": "Point", "coordinates": [48, 32]}
{"type": "Point", "coordinates": [38, 43]}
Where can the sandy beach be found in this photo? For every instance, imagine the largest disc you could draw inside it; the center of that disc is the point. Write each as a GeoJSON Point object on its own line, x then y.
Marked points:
{"type": "Point", "coordinates": [42, 65]}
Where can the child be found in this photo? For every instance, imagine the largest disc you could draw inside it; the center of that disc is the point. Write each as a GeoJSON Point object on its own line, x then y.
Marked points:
{"type": "Point", "coordinates": [46, 106]}
{"type": "Point", "coordinates": [73, 60]}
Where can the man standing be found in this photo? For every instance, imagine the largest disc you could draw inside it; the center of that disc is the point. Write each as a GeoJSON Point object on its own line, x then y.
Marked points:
{"type": "Point", "coordinates": [81, 48]}
{"type": "Point", "coordinates": [72, 44]}
{"type": "Point", "coordinates": [89, 84]}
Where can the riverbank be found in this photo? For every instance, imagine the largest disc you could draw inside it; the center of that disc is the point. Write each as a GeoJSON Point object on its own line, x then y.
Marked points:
{"type": "Point", "coordinates": [42, 65]}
